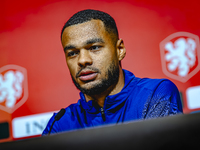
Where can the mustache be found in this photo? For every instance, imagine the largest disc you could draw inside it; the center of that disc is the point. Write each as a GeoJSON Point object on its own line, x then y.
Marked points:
{"type": "Point", "coordinates": [87, 68]}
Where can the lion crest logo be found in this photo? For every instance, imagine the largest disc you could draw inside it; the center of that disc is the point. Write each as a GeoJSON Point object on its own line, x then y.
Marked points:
{"type": "Point", "coordinates": [180, 55]}
{"type": "Point", "coordinates": [13, 87]}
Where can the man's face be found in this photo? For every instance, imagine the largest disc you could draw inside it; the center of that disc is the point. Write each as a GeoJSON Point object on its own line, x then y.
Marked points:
{"type": "Point", "coordinates": [91, 56]}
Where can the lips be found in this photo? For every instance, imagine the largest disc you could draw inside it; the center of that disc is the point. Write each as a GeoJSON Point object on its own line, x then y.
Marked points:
{"type": "Point", "coordinates": [87, 75]}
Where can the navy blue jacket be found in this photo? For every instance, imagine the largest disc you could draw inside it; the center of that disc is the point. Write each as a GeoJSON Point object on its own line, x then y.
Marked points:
{"type": "Point", "coordinates": [140, 98]}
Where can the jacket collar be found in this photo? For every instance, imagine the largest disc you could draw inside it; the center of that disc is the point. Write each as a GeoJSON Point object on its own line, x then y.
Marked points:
{"type": "Point", "coordinates": [112, 102]}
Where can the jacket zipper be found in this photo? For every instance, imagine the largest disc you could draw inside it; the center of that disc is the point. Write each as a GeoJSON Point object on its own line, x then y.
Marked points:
{"type": "Point", "coordinates": [103, 114]}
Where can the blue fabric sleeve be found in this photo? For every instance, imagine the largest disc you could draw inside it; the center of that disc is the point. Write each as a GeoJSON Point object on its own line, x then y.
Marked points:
{"type": "Point", "coordinates": [165, 101]}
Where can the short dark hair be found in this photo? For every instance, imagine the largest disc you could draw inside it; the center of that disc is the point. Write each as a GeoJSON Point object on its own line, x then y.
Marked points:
{"type": "Point", "coordinates": [89, 14]}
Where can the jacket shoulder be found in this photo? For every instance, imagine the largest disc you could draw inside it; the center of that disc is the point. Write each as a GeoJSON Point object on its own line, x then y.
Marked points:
{"type": "Point", "coordinates": [153, 84]}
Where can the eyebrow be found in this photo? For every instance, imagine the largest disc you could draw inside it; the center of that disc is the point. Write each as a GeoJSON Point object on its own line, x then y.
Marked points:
{"type": "Point", "coordinates": [96, 40]}
{"type": "Point", "coordinates": [69, 47]}
{"type": "Point", "coordinates": [92, 41]}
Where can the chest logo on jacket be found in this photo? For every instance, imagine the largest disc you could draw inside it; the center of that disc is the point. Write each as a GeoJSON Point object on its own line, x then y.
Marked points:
{"type": "Point", "coordinates": [180, 55]}
{"type": "Point", "coordinates": [13, 87]}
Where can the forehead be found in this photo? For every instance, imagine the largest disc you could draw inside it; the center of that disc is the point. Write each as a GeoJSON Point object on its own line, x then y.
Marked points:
{"type": "Point", "coordinates": [79, 33]}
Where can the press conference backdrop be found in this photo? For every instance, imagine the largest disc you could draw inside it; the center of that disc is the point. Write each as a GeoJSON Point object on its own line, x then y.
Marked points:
{"type": "Point", "coordinates": [161, 39]}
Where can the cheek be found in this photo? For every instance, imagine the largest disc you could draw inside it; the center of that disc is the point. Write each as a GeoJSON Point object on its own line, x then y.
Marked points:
{"type": "Point", "coordinates": [109, 57]}
{"type": "Point", "coordinates": [71, 68]}
{"type": "Point", "coordinates": [101, 62]}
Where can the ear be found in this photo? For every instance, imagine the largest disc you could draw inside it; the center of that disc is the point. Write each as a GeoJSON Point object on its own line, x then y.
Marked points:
{"type": "Point", "coordinates": [121, 51]}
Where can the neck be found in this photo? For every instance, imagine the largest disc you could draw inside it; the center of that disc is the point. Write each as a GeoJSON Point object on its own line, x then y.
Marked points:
{"type": "Point", "coordinates": [114, 89]}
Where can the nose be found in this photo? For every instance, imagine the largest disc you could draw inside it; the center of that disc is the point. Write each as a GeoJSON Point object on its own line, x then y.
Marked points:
{"type": "Point", "coordinates": [84, 58]}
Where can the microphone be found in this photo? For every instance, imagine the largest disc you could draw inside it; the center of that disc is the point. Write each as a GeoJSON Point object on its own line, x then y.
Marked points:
{"type": "Point", "coordinates": [57, 117]}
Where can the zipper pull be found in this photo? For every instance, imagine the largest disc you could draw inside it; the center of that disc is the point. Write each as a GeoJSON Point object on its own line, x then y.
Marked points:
{"type": "Point", "coordinates": [103, 114]}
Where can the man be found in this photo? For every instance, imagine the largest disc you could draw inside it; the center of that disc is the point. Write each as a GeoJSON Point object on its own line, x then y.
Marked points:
{"type": "Point", "coordinates": [109, 94]}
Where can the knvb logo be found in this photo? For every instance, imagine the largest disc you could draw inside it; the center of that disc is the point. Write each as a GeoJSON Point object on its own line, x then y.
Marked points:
{"type": "Point", "coordinates": [180, 55]}
{"type": "Point", "coordinates": [13, 87]}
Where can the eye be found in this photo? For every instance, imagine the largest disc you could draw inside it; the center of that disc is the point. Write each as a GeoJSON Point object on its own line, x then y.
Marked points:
{"type": "Point", "coordinates": [72, 53]}
{"type": "Point", "coordinates": [95, 47]}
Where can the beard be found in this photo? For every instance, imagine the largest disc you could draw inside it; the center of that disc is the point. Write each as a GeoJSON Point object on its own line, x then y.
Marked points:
{"type": "Point", "coordinates": [111, 78]}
